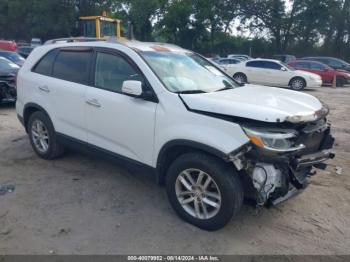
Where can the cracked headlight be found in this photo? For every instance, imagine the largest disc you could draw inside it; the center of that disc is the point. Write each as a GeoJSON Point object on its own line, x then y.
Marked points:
{"type": "Point", "coordinates": [277, 141]}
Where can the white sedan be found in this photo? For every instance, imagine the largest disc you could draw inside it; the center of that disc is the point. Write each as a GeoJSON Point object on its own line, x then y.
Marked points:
{"type": "Point", "coordinates": [272, 73]}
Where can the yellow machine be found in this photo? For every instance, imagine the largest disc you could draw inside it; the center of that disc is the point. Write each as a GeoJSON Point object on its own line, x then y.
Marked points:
{"type": "Point", "coordinates": [100, 26]}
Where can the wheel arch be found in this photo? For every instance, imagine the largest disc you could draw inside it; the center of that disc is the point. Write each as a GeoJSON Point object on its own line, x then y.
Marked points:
{"type": "Point", "coordinates": [173, 149]}
{"type": "Point", "coordinates": [28, 110]}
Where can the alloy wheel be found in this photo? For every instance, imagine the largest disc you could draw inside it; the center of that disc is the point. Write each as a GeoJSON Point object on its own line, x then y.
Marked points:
{"type": "Point", "coordinates": [240, 79]}
{"type": "Point", "coordinates": [297, 84]}
{"type": "Point", "coordinates": [40, 136]}
{"type": "Point", "coordinates": [198, 193]}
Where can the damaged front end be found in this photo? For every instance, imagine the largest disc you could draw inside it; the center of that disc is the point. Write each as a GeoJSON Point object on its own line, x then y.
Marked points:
{"type": "Point", "coordinates": [8, 92]}
{"type": "Point", "coordinates": [279, 158]}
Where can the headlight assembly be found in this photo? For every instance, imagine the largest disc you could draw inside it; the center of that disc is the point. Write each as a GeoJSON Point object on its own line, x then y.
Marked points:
{"type": "Point", "coordinates": [277, 141]}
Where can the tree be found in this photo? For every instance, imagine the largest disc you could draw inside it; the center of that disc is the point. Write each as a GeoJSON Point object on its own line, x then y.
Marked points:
{"type": "Point", "coordinates": [269, 15]}
{"type": "Point", "coordinates": [142, 14]}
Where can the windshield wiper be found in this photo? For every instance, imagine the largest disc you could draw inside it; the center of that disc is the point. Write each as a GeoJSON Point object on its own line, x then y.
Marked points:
{"type": "Point", "coordinates": [223, 89]}
{"type": "Point", "coordinates": [190, 92]}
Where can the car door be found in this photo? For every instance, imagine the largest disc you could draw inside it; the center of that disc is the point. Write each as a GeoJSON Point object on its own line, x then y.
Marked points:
{"type": "Point", "coordinates": [255, 72]}
{"type": "Point", "coordinates": [301, 65]}
{"type": "Point", "coordinates": [63, 87]}
{"type": "Point", "coordinates": [116, 122]}
{"type": "Point", "coordinates": [319, 69]}
{"type": "Point", "coordinates": [277, 74]}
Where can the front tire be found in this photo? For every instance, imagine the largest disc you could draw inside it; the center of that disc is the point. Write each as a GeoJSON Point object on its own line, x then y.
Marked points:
{"type": "Point", "coordinates": [203, 190]}
{"type": "Point", "coordinates": [297, 84]}
{"type": "Point", "coordinates": [43, 137]}
{"type": "Point", "coordinates": [340, 81]}
{"type": "Point", "coordinates": [240, 78]}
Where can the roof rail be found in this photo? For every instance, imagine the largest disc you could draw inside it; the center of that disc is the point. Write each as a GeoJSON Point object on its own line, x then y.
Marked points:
{"type": "Point", "coordinates": [72, 40]}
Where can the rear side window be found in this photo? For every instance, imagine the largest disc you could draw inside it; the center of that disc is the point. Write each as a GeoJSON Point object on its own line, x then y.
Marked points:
{"type": "Point", "coordinates": [224, 62]}
{"type": "Point", "coordinates": [272, 65]}
{"type": "Point", "coordinates": [316, 66]}
{"type": "Point", "coordinates": [259, 64]}
{"type": "Point", "coordinates": [44, 66]}
{"type": "Point", "coordinates": [73, 66]}
{"type": "Point", "coordinates": [302, 65]}
{"type": "Point", "coordinates": [335, 63]}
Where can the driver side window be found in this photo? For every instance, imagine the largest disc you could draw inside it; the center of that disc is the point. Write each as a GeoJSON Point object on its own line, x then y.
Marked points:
{"type": "Point", "coordinates": [112, 70]}
{"type": "Point", "coordinates": [272, 65]}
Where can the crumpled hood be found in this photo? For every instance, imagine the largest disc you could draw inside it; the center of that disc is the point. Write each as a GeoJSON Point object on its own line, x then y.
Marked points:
{"type": "Point", "coordinates": [260, 103]}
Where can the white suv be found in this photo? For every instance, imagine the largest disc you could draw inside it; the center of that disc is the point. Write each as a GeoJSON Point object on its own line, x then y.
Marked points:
{"type": "Point", "coordinates": [211, 141]}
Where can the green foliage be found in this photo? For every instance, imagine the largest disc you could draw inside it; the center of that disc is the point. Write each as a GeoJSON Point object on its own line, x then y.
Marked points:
{"type": "Point", "coordinates": [300, 27]}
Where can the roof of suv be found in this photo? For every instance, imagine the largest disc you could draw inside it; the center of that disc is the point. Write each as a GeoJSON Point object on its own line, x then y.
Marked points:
{"type": "Point", "coordinates": [133, 44]}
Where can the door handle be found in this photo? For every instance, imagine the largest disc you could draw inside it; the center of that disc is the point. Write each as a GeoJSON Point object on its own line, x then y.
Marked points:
{"type": "Point", "coordinates": [44, 88]}
{"type": "Point", "coordinates": [93, 102]}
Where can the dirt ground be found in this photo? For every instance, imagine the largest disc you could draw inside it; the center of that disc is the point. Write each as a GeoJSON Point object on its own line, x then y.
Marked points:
{"type": "Point", "coordinates": [85, 205]}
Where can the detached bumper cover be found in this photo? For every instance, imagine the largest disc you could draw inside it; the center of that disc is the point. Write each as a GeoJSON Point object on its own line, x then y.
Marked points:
{"type": "Point", "coordinates": [312, 159]}
{"type": "Point", "coordinates": [325, 152]}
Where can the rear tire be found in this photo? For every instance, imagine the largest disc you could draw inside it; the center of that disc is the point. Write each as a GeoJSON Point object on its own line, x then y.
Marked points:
{"type": "Point", "coordinates": [43, 137]}
{"type": "Point", "coordinates": [217, 200]}
{"type": "Point", "coordinates": [297, 84]}
{"type": "Point", "coordinates": [340, 81]}
{"type": "Point", "coordinates": [240, 78]}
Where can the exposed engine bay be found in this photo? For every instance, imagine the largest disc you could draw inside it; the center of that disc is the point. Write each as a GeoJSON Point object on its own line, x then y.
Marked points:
{"type": "Point", "coordinates": [279, 161]}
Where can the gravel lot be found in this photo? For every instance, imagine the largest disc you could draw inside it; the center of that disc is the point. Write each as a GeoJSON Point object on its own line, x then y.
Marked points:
{"type": "Point", "coordinates": [85, 205]}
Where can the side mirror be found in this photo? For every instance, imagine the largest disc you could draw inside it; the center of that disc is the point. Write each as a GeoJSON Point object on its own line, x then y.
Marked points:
{"type": "Point", "coordinates": [283, 69]}
{"type": "Point", "coordinates": [132, 88]}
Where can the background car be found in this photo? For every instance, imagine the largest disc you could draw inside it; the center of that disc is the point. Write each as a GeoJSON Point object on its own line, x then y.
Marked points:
{"type": "Point", "coordinates": [228, 61]}
{"type": "Point", "coordinates": [35, 42]}
{"type": "Point", "coordinates": [24, 51]}
{"type": "Point", "coordinates": [326, 72]}
{"type": "Point", "coordinates": [240, 56]}
{"type": "Point", "coordinates": [284, 58]}
{"type": "Point", "coordinates": [22, 43]}
{"type": "Point", "coordinates": [333, 62]}
{"type": "Point", "coordinates": [8, 72]}
{"type": "Point", "coordinates": [272, 73]}
{"type": "Point", "coordinates": [12, 56]}
{"type": "Point", "coordinates": [8, 45]}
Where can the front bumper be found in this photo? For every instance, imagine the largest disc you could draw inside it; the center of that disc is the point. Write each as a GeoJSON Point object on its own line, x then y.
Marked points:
{"type": "Point", "coordinates": [287, 174]}
{"type": "Point", "coordinates": [314, 83]}
{"type": "Point", "coordinates": [8, 92]}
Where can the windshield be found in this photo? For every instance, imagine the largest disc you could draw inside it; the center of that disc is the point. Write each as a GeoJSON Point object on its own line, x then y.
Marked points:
{"type": "Point", "coordinates": [288, 66]}
{"type": "Point", "coordinates": [6, 64]}
{"type": "Point", "coordinates": [13, 57]}
{"type": "Point", "coordinates": [187, 72]}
